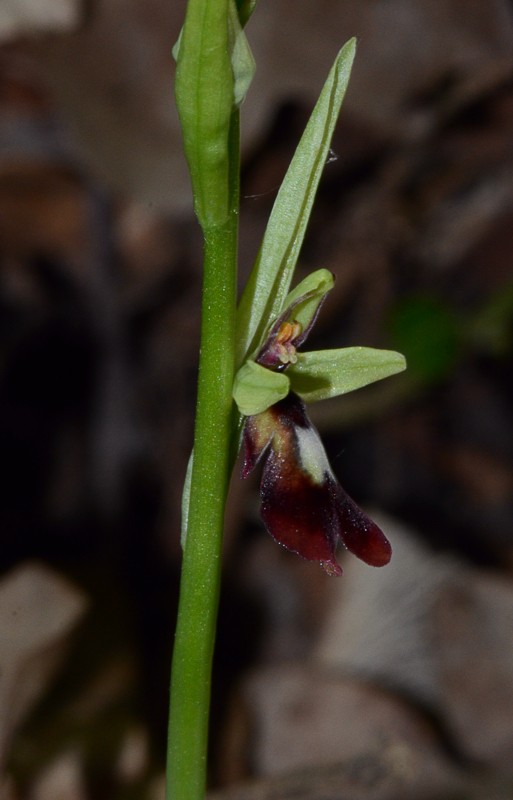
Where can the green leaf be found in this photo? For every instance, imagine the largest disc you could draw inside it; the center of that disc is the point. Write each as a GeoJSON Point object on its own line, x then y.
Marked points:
{"type": "Point", "coordinates": [256, 388]}
{"type": "Point", "coordinates": [270, 279]}
{"type": "Point", "coordinates": [243, 63]}
{"type": "Point", "coordinates": [321, 374]}
{"type": "Point", "coordinates": [204, 89]}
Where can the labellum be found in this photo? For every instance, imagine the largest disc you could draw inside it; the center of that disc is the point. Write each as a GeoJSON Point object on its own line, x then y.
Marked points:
{"type": "Point", "coordinates": [303, 506]}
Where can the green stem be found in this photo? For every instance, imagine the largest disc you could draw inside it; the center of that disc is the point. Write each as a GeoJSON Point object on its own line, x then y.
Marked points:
{"type": "Point", "coordinates": [201, 568]}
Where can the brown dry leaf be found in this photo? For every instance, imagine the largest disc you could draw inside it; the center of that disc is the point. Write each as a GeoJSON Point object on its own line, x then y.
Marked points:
{"type": "Point", "coordinates": [61, 780]}
{"type": "Point", "coordinates": [34, 17]}
{"type": "Point", "coordinates": [379, 775]}
{"type": "Point", "coordinates": [378, 625]}
{"type": "Point", "coordinates": [436, 630]}
{"type": "Point", "coordinates": [473, 620]}
{"type": "Point", "coordinates": [303, 716]}
{"type": "Point", "coordinates": [43, 209]}
{"type": "Point", "coordinates": [38, 612]}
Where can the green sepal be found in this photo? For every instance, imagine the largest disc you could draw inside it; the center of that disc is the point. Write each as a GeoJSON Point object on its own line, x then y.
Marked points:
{"type": "Point", "coordinates": [307, 296]}
{"type": "Point", "coordinates": [321, 374]}
{"type": "Point", "coordinates": [268, 285]}
{"type": "Point", "coordinates": [255, 388]}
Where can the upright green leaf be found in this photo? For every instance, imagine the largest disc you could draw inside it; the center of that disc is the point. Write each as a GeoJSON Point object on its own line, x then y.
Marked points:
{"type": "Point", "coordinates": [270, 278]}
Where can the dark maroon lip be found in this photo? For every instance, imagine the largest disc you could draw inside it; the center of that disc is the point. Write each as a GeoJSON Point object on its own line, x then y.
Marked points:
{"type": "Point", "coordinates": [307, 516]}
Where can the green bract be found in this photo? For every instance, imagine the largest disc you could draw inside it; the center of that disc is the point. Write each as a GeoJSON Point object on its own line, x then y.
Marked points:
{"type": "Point", "coordinates": [270, 279]}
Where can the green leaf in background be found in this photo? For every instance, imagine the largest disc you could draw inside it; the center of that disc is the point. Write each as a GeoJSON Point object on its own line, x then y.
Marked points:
{"type": "Point", "coordinates": [491, 328]}
{"type": "Point", "coordinates": [204, 89]}
{"type": "Point", "coordinates": [256, 388]}
{"type": "Point", "coordinates": [321, 374]}
{"type": "Point", "coordinates": [270, 279]}
{"type": "Point", "coordinates": [429, 333]}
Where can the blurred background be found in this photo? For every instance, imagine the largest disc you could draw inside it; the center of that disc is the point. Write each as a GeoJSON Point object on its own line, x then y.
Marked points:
{"type": "Point", "coordinates": [381, 685]}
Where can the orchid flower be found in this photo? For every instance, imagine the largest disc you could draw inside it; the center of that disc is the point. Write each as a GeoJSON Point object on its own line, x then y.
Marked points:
{"type": "Point", "coordinates": [303, 506]}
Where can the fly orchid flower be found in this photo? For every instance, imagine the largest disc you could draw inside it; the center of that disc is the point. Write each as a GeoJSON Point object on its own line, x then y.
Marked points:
{"type": "Point", "coordinates": [303, 506]}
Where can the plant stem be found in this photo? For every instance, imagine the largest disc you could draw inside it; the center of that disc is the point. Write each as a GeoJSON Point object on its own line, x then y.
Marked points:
{"type": "Point", "coordinates": [201, 568]}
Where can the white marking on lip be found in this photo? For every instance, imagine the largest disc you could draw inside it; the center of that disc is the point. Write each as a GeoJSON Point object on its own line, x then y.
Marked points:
{"type": "Point", "coordinates": [312, 454]}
